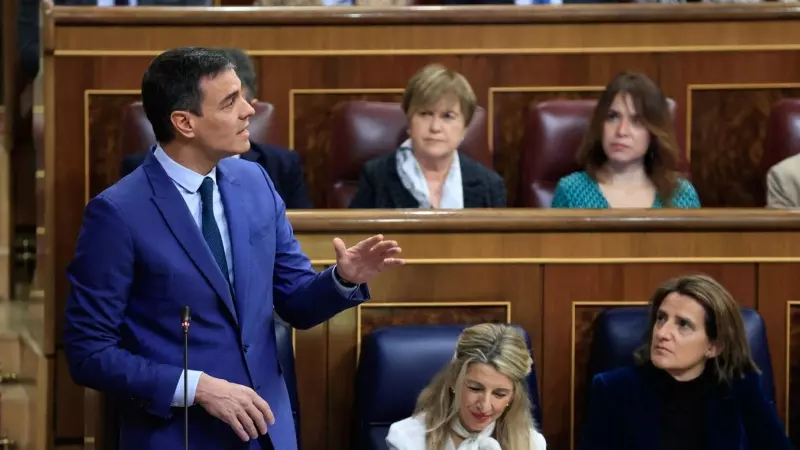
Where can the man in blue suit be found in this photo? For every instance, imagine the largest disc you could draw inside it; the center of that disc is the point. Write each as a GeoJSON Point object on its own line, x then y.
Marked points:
{"type": "Point", "coordinates": [284, 167]}
{"type": "Point", "coordinates": [194, 227]}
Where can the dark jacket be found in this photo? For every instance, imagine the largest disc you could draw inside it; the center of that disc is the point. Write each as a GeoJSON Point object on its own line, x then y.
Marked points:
{"type": "Point", "coordinates": [283, 167]}
{"type": "Point", "coordinates": [625, 406]}
{"type": "Point", "coordinates": [380, 186]}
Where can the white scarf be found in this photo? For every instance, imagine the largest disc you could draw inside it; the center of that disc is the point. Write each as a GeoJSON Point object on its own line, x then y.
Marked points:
{"type": "Point", "coordinates": [410, 173]}
{"type": "Point", "coordinates": [474, 441]}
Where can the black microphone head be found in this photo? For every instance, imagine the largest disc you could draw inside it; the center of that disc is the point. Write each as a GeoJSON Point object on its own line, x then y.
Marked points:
{"type": "Point", "coordinates": [185, 314]}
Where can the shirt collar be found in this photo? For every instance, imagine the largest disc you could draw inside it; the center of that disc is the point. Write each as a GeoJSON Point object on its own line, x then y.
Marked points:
{"type": "Point", "coordinates": [186, 178]}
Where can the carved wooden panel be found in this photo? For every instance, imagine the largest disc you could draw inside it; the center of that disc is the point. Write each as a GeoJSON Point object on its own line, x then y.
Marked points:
{"type": "Point", "coordinates": [313, 133]}
{"type": "Point", "coordinates": [377, 316]}
{"type": "Point", "coordinates": [583, 328]}
{"type": "Point", "coordinates": [728, 126]}
{"type": "Point", "coordinates": [509, 109]}
{"type": "Point", "coordinates": [104, 119]}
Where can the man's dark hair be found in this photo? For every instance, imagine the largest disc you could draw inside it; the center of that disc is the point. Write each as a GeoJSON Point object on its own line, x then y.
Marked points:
{"type": "Point", "coordinates": [172, 83]}
{"type": "Point", "coordinates": [244, 70]}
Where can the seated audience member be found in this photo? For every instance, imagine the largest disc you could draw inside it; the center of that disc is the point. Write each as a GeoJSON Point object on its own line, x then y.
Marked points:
{"type": "Point", "coordinates": [282, 165]}
{"type": "Point", "coordinates": [427, 171]}
{"type": "Point", "coordinates": [479, 401]}
{"type": "Point", "coordinates": [783, 184]}
{"type": "Point", "coordinates": [695, 385]}
{"type": "Point", "coordinates": [629, 153]}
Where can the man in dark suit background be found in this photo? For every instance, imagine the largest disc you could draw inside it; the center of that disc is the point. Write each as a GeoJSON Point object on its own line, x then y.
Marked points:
{"type": "Point", "coordinates": [282, 165]}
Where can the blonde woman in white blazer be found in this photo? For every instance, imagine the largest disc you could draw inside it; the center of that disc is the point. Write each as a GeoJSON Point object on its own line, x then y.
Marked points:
{"type": "Point", "coordinates": [477, 402]}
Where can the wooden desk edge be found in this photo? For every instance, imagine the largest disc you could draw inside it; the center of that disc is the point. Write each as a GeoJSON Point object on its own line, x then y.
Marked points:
{"type": "Point", "coordinates": [431, 15]}
{"type": "Point", "coordinates": [523, 220]}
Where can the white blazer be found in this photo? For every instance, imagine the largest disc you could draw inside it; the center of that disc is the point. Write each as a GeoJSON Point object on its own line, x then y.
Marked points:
{"type": "Point", "coordinates": [409, 434]}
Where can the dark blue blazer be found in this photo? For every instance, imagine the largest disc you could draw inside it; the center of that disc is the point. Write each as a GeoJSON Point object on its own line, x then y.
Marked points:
{"type": "Point", "coordinates": [140, 257]}
{"type": "Point", "coordinates": [624, 408]}
{"type": "Point", "coordinates": [283, 166]}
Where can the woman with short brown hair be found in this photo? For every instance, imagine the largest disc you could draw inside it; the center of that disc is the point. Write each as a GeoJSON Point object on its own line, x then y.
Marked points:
{"type": "Point", "coordinates": [427, 171]}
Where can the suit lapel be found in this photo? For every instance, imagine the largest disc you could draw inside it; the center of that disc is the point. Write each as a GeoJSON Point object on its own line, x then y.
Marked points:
{"type": "Point", "coordinates": [472, 187]}
{"type": "Point", "coordinates": [176, 214]}
{"type": "Point", "coordinates": [236, 215]}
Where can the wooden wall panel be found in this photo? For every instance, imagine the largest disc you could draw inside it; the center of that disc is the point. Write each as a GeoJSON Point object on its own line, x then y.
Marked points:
{"type": "Point", "coordinates": [311, 133]}
{"type": "Point", "coordinates": [104, 110]}
{"type": "Point", "coordinates": [69, 413]}
{"type": "Point", "coordinates": [728, 125]}
{"type": "Point", "coordinates": [374, 316]}
{"type": "Point", "coordinates": [775, 293]}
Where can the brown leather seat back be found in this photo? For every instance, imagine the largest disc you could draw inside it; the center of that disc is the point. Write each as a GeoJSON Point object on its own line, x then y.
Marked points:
{"type": "Point", "coordinates": [136, 133]}
{"type": "Point", "coordinates": [553, 133]}
{"type": "Point", "coordinates": [364, 130]}
{"type": "Point", "coordinates": [782, 139]}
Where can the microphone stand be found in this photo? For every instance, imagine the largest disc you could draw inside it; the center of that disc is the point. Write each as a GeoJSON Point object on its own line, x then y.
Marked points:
{"type": "Point", "coordinates": [186, 319]}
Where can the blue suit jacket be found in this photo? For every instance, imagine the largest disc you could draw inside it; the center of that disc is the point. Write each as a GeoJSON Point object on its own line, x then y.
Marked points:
{"type": "Point", "coordinates": [140, 257]}
{"type": "Point", "coordinates": [624, 409]}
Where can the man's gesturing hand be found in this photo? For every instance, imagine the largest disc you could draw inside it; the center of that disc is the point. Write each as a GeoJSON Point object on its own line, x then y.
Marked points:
{"type": "Point", "coordinates": [237, 405]}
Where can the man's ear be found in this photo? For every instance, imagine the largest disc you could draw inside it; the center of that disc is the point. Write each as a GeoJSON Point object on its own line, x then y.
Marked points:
{"type": "Point", "coordinates": [183, 123]}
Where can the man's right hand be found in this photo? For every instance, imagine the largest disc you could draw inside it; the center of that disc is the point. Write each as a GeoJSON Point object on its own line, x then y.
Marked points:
{"type": "Point", "coordinates": [237, 405]}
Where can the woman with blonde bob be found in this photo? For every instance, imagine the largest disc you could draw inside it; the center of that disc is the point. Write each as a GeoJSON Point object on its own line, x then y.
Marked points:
{"type": "Point", "coordinates": [695, 386]}
{"type": "Point", "coordinates": [426, 170]}
{"type": "Point", "coordinates": [477, 402]}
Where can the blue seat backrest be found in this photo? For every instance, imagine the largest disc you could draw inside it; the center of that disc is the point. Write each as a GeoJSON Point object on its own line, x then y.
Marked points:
{"type": "Point", "coordinates": [396, 364]}
{"type": "Point", "coordinates": [283, 336]}
{"type": "Point", "coordinates": [618, 332]}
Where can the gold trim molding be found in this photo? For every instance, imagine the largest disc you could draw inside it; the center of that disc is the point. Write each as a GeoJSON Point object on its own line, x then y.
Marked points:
{"type": "Point", "coordinates": [575, 306]}
{"type": "Point", "coordinates": [579, 260]}
{"type": "Point", "coordinates": [464, 51]}
{"type": "Point", "coordinates": [454, 304]}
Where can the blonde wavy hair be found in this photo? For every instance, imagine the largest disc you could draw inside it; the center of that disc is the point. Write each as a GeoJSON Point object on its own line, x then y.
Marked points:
{"type": "Point", "coordinates": [501, 347]}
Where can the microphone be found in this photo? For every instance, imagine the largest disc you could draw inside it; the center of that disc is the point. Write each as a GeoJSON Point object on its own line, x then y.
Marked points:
{"type": "Point", "coordinates": [186, 319]}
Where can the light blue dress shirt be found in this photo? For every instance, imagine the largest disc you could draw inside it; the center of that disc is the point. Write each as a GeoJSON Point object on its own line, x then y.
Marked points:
{"type": "Point", "coordinates": [188, 183]}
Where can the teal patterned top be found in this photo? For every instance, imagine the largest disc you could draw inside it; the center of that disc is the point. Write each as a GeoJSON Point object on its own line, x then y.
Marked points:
{"type": "Point", "coordinates": [580, 191]}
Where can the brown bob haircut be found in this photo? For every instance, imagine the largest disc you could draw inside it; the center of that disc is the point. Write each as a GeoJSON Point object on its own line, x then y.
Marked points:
{"type": "Point", "coordinates": [723, 323]}
{"type": "Point", "coordinates": [435, 82]}
{"type": "Point", "coordinates": [661, 159]}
